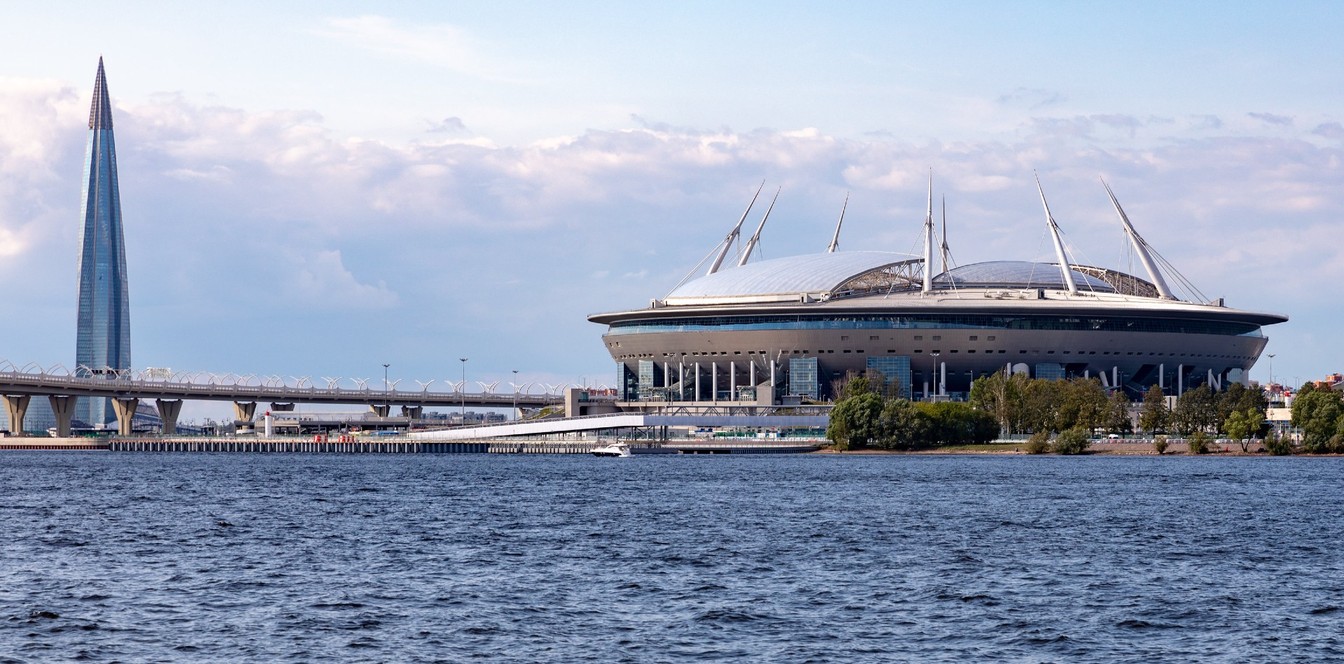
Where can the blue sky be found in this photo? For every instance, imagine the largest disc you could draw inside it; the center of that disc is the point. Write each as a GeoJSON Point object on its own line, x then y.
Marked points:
{"type": "Point", "coordinates": [314, 189]}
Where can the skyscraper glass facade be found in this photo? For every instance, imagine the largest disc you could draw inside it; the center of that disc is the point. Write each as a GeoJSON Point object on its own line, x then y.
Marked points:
{"type": "Point", "coordinates": [103, 330]}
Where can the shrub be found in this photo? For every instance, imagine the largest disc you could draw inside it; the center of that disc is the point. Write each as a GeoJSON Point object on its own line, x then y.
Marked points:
{"type": "Point", "coordinates": [1278, 445]}
{"type": "Point", "coordinates": [1160, 444]}
{"type": "Point", "coordinates": [1071, 441]}
{"type": "Point", "coordinates": [1198, 442]}
{"type": "Point", "coordinates": [1039, 443]}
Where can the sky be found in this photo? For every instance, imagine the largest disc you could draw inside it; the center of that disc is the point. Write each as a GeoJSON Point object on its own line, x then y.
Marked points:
{"type": "Point", "coordinates": [318, 189]}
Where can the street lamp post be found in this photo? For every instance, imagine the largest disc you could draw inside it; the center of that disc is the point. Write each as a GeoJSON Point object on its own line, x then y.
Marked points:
{"type": "Point", "coordinates": [386, 391]}
{"type": "Point", "coordinates": [464, 389]}
{"type": "Point", "coordinates": [515, 395]}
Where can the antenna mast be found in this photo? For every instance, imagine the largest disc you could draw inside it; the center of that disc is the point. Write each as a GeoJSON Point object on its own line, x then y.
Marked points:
{"type": "Point", "coordinates": [756, 237]}
{"type": "Point", "coordinates": [1064, 268]}
{"type": "Point", "coordinates": [928, 241]}
{"type": "Point", "coordinates": [944, 245]}
{"type": "Point", "coordinates": [1141, 247]}
{"type": "Point", "coordinates": [732, 235]}
{"type": "Point", "coordinates": [835, 239]}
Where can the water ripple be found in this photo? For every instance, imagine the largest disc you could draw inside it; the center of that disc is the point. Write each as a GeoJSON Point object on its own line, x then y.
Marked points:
{"type": "Point", "coordinates": [286, 558]}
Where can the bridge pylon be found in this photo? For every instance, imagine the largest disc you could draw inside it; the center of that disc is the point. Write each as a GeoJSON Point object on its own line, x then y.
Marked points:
{"type": "Point", "coordinates": [17, 407]}
{"type": "Point", "coordinates": [63, 407]}
{"type": "Point", "coordinates": [125, 410]}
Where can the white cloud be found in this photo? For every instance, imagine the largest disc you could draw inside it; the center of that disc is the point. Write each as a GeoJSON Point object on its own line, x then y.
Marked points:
{"type": "Point", "coordinates": [478, 246]}
{"type": "Point", "coordinates": [322, 281]}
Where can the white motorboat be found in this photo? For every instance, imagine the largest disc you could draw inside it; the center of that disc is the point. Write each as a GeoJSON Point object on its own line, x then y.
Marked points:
{"type": "Point", "coordinates": [612, 450]}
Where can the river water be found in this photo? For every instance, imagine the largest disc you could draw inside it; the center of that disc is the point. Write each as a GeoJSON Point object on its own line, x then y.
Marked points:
{"type": "Point", "coordinates": [808, 558]}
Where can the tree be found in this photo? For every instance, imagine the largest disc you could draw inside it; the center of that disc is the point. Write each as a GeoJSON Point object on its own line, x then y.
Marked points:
{"type": "Point", "coordinates": [1038, 405]}
{"type": "Point", "coordinates": [903, 426]}
{"type": "Point", "coordinates": [1242, 425]}
{"type": "Point", "coordinates": [1117, 414]}
{"type": "Point", "coordinates": [1000, 396]}
{"type": "Point", "coordinates": [1153, 416]}
{"type": "Point", "coordinates": [855, 421]}
{"type": "Point", "coordinates": [953, 423]}
{"type": "Point", "coordinates": [1082, 403]}
{"type": "Point", "coordinates": [1196, 410]}
{"type": "Point", "coordinates": [1238, 397]}
{"type": "Point", "coordinates": [1317, 413]}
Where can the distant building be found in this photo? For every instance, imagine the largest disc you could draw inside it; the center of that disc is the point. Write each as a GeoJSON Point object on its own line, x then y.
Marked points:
{"type": "Point", "coordinates": [103, 329]}
{"type": "Point", "coordinates": [787, 329]}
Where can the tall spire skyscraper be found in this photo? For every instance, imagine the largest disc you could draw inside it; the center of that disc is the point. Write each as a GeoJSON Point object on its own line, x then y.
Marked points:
{"type": "Point", "coordinates": [103, 343]}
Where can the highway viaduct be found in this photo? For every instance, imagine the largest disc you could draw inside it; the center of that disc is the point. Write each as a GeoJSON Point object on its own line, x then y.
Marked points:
{"type": "Point", "coordinates": [126, 392]}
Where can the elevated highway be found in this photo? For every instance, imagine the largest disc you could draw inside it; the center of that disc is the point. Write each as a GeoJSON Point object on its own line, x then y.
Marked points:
{"type": "Point", "coordinates": [126, 392]}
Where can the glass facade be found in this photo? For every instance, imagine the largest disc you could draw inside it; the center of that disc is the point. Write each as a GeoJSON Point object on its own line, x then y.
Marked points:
{"type": "Point", "coordinates": [103, 328]}
{"type": "Point", "coordinates": [948, 321]}
{"type": "Point", "coordinates": [895, 372]}
{"type": "Point", "coordinates": [1050, 371]}
{"type": "Point", "coordinates": [803, 376]}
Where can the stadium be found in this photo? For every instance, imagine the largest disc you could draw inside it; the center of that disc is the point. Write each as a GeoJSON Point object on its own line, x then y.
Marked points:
{"type": "Point", "coordinates": [782, 331]}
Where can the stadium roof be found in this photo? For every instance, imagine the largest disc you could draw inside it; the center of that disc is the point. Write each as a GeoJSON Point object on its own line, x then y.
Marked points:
{"type": "Point", "coordinates": [809, 273]}
{"type": "Point", "coordinates": [1016, 274]}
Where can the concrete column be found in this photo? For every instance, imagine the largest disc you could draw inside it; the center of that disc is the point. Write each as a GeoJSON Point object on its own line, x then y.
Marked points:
{"type": "Point", "coordinates": [696, 396]}
{"type": "Point", "coordinates": [1162, 378]}
{"type": "Point", "coordinates": [753, 374]}
{"type": "Point", "coordinates": [282, 407]}
{"type": "Point", "coordinates": [1180, 379]}
{"type": "Point", "coordinates": [714, 381]}
{"type": "Point", "coordinates": [732, 380]}
{"type": "Point", "coordinates": [244, 411]}
{"type": "Point", "coordinates": [413, 412]}
{"type": "Point", "coordinates": [63, 407]}
{"type": "Point", "coordinates": [125, 410]}
{"type": "Point", "coordinates": [681, 382]}
{"type": "Point", "coordinates": [17, 407]}
{"type": "Point", "coordinates": [942, 378]}
{"type": "Point", "coordinates": [381, 410]}
{"type": "Point", "coordinates": [1115, 377]}
{"type": "Point", "coordinates": [169, 409]}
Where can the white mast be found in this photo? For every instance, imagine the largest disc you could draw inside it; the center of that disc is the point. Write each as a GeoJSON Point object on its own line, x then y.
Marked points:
{"type": "Point", "coordinates": [732, 235]}
{"type": "Point", "coordinates": [928, 241]}
{"type": "Point", "coordinates": [756, 237]}
{"type": "Point", "coordinates": [1064, 268]}
{"type": "Point", "coordinates": [944, 245]}
{"type": "Point", "coordinates": [835, 239]}
{"type": "Point", "coordinates": [1141, 247]}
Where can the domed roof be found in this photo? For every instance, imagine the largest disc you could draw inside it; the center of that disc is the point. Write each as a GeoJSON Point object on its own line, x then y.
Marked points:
{"type": "Point", "coordinates": [1016, 274]}
{"type": "Point", "coordinates": [785, 277]}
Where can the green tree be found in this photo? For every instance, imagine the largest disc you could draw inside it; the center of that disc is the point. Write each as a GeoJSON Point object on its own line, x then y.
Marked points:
{"type": "Point", "coordinates": [1153, 416]}
{"type": "Point", "coordinates": [1238, 397]}
{"type": "Point", "coordinates": [855, 421]}
{"type": "Point", "coordinates": [1082, 403]}
{"type": "Point", "coordinates": [1001, 396]}
{"type": "Point", "coordinates": [1317, 414]}
{"type": "Point", "coordinates": [1196, 410]}
{"type": "Point", "coordinates": [952, 423]}
{"type": "Point", "coordinates": [904, 426]}
{"type": "Point", "coordinates": [1039, 399]}
{"type": "Point", "coordinates": [1242, 425]}
{"type": "Point", "coordinates": [1117, 414]}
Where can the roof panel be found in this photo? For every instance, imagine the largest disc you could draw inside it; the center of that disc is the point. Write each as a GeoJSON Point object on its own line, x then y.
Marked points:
{"type": "Point", "coordinates": [809, 273]}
